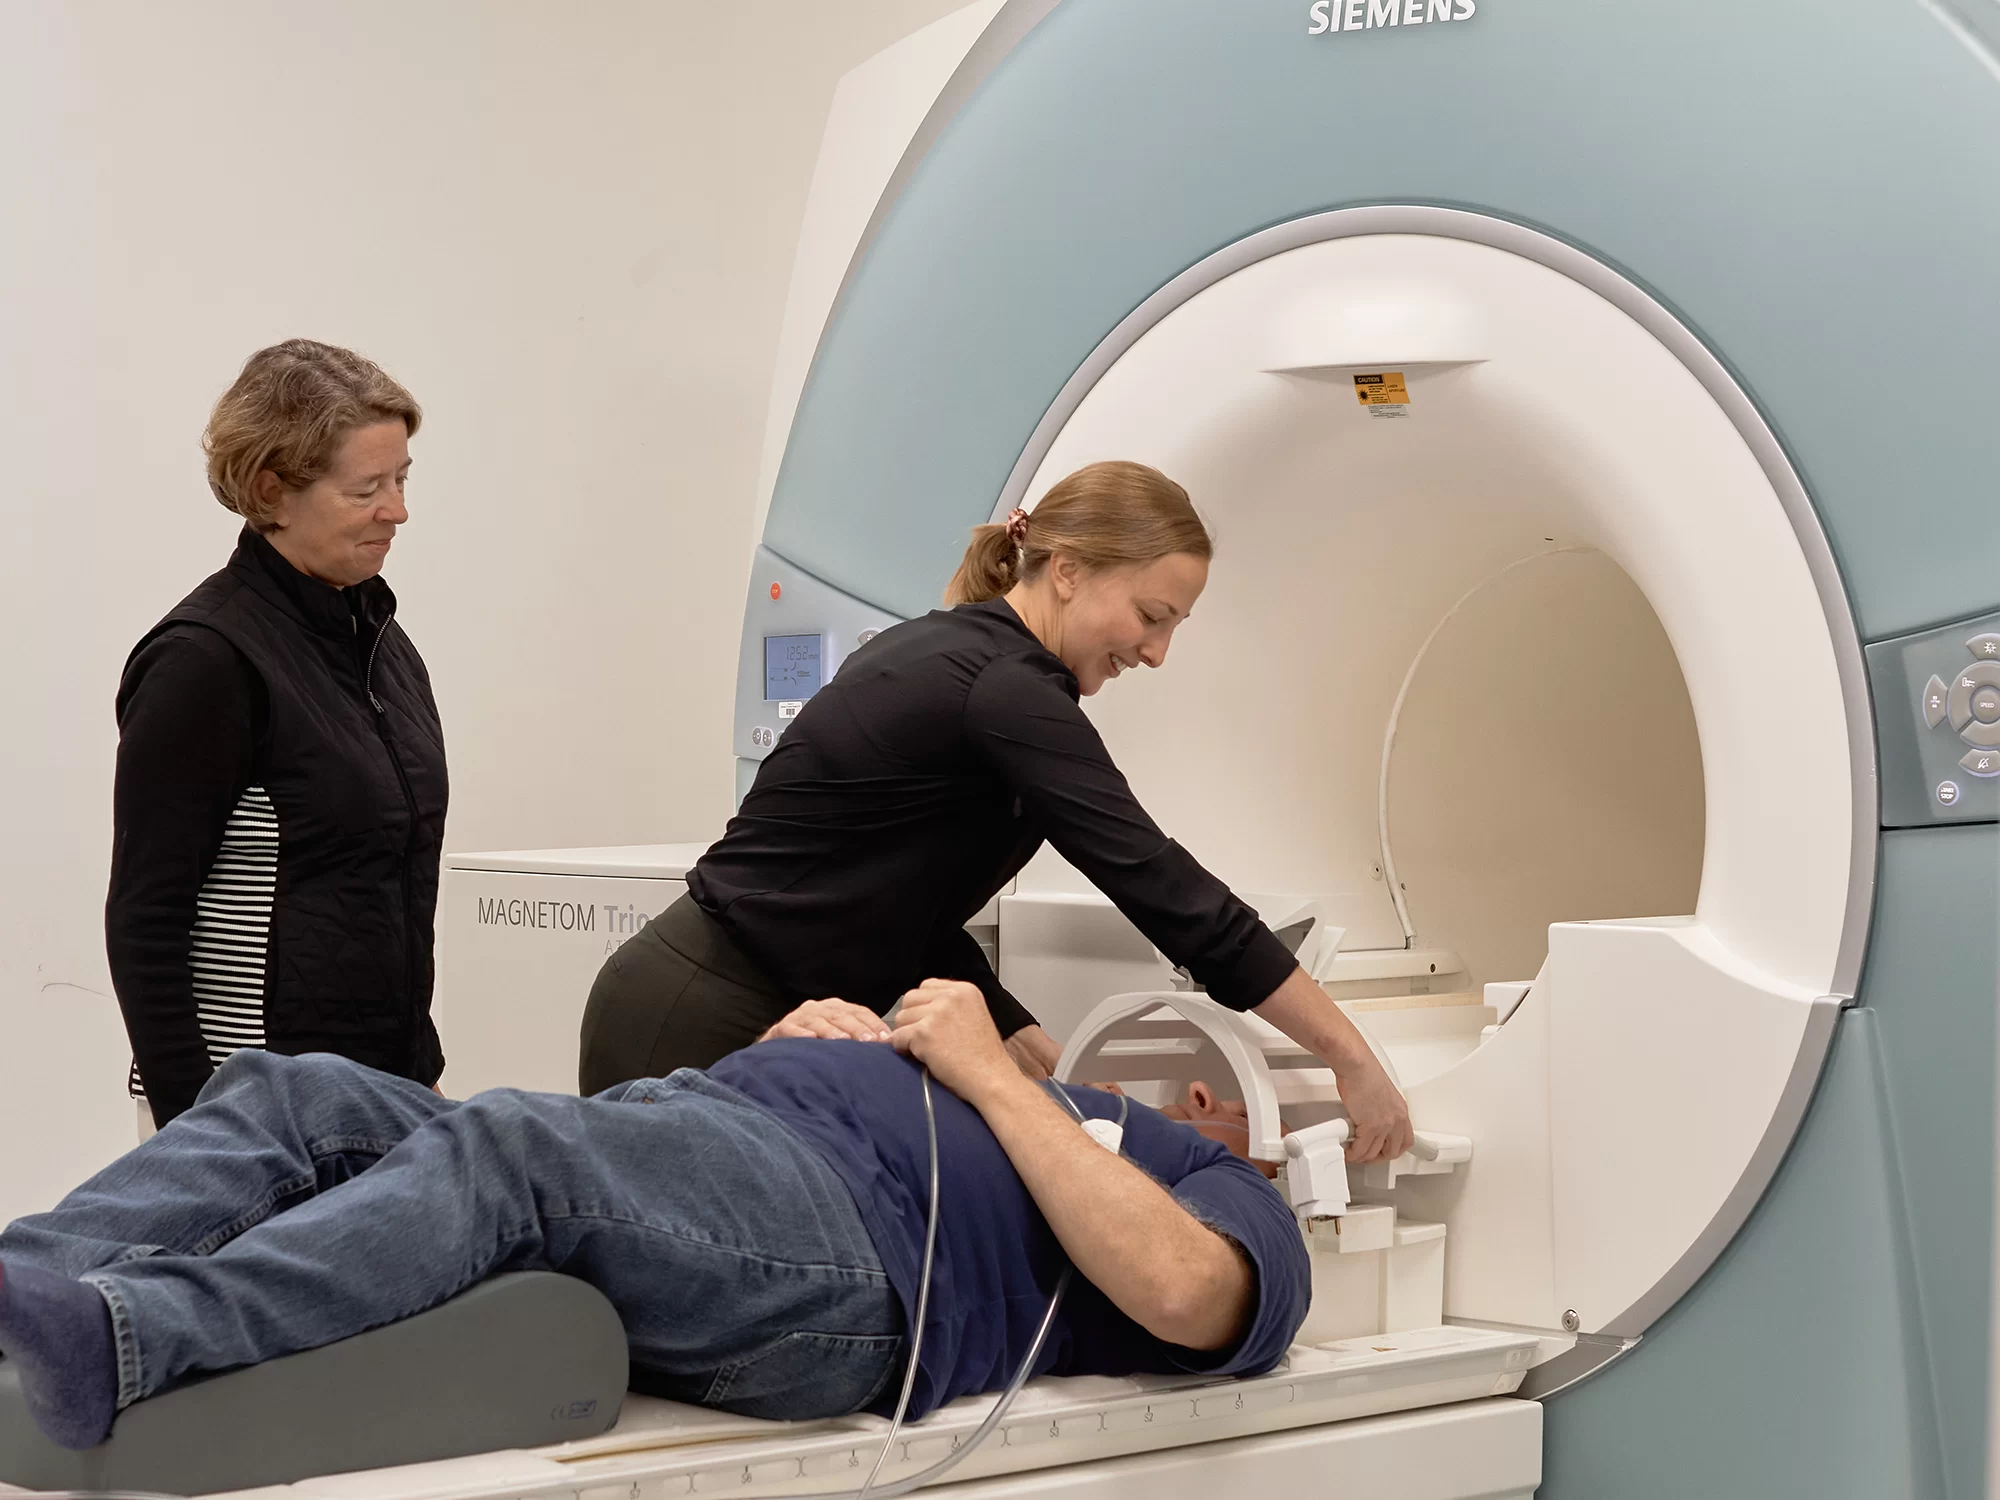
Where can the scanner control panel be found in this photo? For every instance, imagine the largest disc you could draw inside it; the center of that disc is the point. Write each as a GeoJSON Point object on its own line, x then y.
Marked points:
{"type": "Point", "coordinates": [797, 630]}
{"type": "Point", "coordinates": [1937, 701]}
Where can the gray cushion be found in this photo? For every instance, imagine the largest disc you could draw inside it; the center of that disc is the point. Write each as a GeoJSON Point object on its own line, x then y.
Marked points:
{"type": "Point", "coordinates": [517, 1362]}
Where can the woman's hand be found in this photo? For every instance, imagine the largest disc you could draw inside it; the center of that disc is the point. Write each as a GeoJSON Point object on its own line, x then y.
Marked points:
{"type": "Point", "coordinates": [1379, 1118]}
{"type": "Point", "coordinates": [1034, 1051]}
{"type": "Point", "coordinates": [834, 1020]}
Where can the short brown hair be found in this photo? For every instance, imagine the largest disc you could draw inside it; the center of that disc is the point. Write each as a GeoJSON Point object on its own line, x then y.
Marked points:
{"type": "Point", "coordinates": [1103, 515]}
{"type": "Point", "coordinates": [288, 412]}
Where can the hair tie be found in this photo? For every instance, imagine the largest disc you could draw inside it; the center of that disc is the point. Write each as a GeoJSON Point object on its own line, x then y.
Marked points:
{"type": "Point", "coordinates": [1017, 525]}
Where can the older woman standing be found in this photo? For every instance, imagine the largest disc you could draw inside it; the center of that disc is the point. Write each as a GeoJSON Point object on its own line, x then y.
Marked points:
{"type": "Point", "coordinates": [280, 798]}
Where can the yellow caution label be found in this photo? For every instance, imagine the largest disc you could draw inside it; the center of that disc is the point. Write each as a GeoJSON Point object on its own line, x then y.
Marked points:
{"type": "Point", "coordinates": [1384, 389]}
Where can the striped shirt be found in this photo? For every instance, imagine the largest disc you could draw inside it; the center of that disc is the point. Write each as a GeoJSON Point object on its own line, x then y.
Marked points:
{"type": "Point", "coordinates": [231, 939]}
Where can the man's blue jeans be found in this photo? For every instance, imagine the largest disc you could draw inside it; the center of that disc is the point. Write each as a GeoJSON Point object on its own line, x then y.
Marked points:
{"type": "Point", "coordinates": [304, 1199]}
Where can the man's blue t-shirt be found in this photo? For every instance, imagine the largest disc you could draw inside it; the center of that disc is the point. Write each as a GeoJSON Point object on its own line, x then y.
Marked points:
{"type": "Point", "coordinates": [860, 1105]}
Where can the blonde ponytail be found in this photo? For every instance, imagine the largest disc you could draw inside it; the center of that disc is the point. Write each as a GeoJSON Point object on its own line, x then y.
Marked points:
{"type": "Point", "coordinates": [1104, 515]}
{"type": "Point", "coordinates": [989, 568]}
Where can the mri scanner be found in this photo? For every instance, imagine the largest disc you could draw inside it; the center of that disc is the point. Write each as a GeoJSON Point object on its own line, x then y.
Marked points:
{"type": "Point", "coordinates": [1594, 406]}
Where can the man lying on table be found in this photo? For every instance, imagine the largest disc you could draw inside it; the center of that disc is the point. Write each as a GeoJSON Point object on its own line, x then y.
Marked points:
{"type": "Point", "coordinates": [759, 1226]}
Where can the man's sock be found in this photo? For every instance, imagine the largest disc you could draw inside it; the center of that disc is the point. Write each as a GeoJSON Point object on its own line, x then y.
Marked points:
{"type": "Point", "coordinates": [57, 1333]}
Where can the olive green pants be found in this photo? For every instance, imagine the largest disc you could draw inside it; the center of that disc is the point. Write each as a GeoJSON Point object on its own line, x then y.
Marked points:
{"type": "Point", "coordinates": [677, 994]}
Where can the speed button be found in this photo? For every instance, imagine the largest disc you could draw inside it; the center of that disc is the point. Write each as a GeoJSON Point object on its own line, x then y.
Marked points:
{"type": "Point", "coordinates": [1958, 703]}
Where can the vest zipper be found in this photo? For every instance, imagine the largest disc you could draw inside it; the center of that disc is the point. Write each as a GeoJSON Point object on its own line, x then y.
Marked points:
{"type": "Point", "coordinates": [368, 672]}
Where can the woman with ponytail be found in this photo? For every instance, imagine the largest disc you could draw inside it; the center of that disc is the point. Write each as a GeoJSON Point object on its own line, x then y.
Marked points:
{"type": "Point", "coordinates": [919, 781]}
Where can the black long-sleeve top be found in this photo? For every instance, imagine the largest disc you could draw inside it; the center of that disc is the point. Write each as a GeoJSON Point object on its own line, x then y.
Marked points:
{"type": "Point", "coordinates": [915, 785]}
{"type": "Point", "coordinates": [187, 717]}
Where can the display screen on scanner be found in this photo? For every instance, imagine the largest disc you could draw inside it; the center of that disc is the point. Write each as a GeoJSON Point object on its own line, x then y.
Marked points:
{"type": "Point", "coordinates": [791, 666]}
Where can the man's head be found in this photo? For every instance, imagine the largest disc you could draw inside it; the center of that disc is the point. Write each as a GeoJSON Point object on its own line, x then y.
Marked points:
{"type": "Point", "coordinates": [1224, 1121]}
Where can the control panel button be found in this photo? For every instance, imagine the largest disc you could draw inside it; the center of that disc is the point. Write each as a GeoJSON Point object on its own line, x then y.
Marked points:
{"type": "Point", "coordinates": [763, 737]}
{"type": "Point", "coordinates": [1958, 702]}
{"type": "Point", "coordinates": [1985, 736]}
{"type": "Point", "coordinates": [1947, 794]}
{"type": "Point", "coordinates": [1982, 762]}
{"type": "Point", "coordinates": [1986, 706]}
{"type": "Point", "coordinates": [1934, 701]}
{"type": "Point", "coordinates": [1985, 647]}
{"type": "Point", "coordinates": [868, 635]}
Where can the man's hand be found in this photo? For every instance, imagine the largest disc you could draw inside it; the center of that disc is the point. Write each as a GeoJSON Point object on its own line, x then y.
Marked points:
{"type": "Point", "coordinates": [835, 1020]}
{"type": "Point", "coordinates": [1034, 1051]}
{"type": "Point", "coordinates": [944, 1024]}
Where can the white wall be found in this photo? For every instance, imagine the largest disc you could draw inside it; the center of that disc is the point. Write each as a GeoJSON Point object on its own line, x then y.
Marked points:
{"type": "Point", "coordinates": [567, 227]}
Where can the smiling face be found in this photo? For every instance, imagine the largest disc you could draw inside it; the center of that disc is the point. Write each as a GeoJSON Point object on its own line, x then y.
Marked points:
{"type": "Point", "coordinates": [338, 528]}
{"type": "Point", "coordinates": [1115, 619]}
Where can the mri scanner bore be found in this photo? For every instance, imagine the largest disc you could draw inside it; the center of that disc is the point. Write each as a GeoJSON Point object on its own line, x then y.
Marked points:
{"type": "Point", "coordinates": [1525, 660]}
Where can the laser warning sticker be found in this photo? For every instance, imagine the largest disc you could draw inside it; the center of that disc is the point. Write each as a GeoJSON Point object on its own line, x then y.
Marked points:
{"type": "Point", "coordinates": [1383, 394]}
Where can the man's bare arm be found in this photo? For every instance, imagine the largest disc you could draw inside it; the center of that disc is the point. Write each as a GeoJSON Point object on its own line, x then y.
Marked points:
{"type": "Point", "coordinates": [1160, 1266]}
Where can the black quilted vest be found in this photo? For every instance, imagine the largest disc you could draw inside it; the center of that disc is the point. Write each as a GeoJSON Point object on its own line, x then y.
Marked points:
{"type": "Point", "coordinates": [352, 753]}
